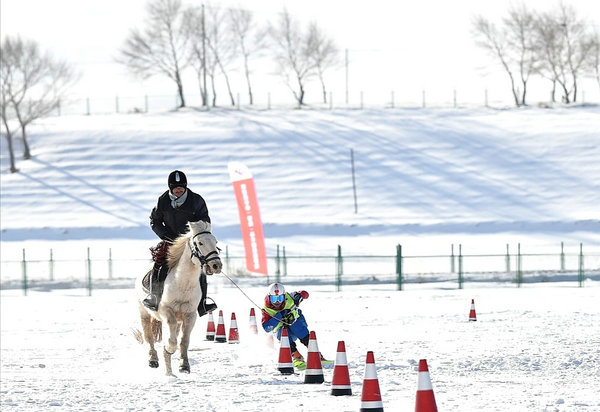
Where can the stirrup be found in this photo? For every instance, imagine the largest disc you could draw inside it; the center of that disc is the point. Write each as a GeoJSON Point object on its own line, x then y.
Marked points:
{"type": "Point", "coordinates": [204, 307]}
{"type": "Point", "coordinates": [151, 302]}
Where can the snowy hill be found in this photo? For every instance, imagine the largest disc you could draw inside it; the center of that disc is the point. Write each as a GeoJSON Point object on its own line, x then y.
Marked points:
{"type": "Point", "coordinates": [421, 174]}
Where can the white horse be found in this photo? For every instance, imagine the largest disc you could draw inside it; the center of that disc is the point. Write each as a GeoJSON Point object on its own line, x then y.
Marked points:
{"type": "Point", "coordinates": [189, 255]}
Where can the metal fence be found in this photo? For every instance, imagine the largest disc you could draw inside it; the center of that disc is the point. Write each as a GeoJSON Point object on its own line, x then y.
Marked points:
{"type": "Point", "coordinates": [388, 99]}
{"type": "Point", "coordinates": [455, 269]}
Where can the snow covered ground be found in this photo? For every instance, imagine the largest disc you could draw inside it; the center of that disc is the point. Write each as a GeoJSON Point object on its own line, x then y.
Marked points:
{"type": "Point", "coordinates": [531, 349]}
{"type": "Point", "coordinates": [426, 179]}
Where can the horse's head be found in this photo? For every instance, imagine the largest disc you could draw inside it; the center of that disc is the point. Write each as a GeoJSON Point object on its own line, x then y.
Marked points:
{"type": "Point", "coordinates": [204, 248]}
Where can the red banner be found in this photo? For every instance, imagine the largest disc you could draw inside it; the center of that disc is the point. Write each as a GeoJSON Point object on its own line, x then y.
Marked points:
{"type": "Point", "coordinates": [250, 223]}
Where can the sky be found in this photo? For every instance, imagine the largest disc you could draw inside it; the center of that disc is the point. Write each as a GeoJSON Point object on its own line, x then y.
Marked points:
{"type": "Point", "coordinates": [405, 46]}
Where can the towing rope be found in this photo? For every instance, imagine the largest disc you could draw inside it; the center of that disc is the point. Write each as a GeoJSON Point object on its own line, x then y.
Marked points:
{"type": "Point", "coordinates": [250, 299]}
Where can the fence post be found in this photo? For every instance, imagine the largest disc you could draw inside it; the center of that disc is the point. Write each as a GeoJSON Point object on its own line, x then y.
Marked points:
{"type": "Point", "coordinates": [87, 106]}
{"type": "Point", "coordinates": [24, 271]}
{"type": "Point", "coordinates": [340, 269]}
{"type": "Point", "coordinates": [146, 103]}
{"type": "Point", "coordinates": [110, 264]}
{"type": "Point", "coordinates": [51, 265]}
{"type": "Point", "coordinates": [562, 257]}
{"type": "Point", "coordinates": [399, 266]}
{"type": "Point", "coordinates": [393, 103]}
{"type": "Point", "coordinates": [284, 262]}
{"type": "Point", "coordinates": [277, 266]}
{"type": "Point", "coordinates": [452, 268]}
{"type": "Point", "coordinates": [227, 258]}
{"type": "Point", "coordinates": [89, 272]}
{"type": "Point", "coordinates": [117, 104]}
{"type": "Point", "coordinates": [519, 267]}
{"type": "Point", "coordinates": [507, 259]}
{"type": "Point", "coordinates": [580, 272]}
{"type": "Point", "coordinates": [460, 267]}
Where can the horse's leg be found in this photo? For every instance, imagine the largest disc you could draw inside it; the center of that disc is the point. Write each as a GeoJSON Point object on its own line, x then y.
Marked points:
{"type": "Point", "coordinates": [188, 324]}
{"type": "Point", "coordinates": [171, 344]}
{"type": "Point", "coordinates": [149, 337]}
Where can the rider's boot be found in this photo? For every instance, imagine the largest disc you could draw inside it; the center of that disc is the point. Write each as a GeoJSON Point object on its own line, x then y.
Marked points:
{"type": "Point", "coordinates": [204, 307]}
{"type": "Point", "coordinates": [156, 287]}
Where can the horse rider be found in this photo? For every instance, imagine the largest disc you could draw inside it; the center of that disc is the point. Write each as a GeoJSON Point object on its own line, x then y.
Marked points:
{"type": "Point", "coordinates": [168, 219]}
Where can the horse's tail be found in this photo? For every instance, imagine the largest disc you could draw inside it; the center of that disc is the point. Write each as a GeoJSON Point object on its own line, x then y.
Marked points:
{"type": "Point", "coordinates": [156, 329]}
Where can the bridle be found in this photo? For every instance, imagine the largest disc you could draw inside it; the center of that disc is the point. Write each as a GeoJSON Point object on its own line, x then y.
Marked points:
{"type": "Point", "coordinates": [196, 251]}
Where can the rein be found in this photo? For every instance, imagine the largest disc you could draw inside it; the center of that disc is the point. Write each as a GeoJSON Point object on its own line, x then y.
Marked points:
{"type": "Point", "coordinates": [196, 251]}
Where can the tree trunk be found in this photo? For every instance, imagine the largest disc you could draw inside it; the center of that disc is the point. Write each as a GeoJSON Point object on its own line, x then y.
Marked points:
{"type": "Point", "coordinates": [514, 91]}
{"type": "Point", "coordinates": [247, 71]}
{"type": "Point", "coordinates": [524, 94]}
{"type": "Point", "coordinates": [214, 91]}
{"type": "Point", "coordinates": [180, 90]}
{"type": "Point", "coordinates": [26, 151]}
{"type": "Point", "coordinates": [11, 152]}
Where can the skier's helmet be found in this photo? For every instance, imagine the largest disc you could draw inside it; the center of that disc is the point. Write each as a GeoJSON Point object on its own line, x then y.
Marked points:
{"type": "Point", "coordinates": [276, 294]}
{"type": "Point", "coordinates": [177, 179]}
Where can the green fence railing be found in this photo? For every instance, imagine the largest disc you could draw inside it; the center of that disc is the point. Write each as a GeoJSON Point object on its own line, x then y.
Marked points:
{"type": "Point", "coordinates": [338, 269]}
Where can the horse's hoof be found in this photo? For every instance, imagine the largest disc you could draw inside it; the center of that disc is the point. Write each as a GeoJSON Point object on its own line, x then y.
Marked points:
{"type": "Point", "coordinates": [153, 364]}
{"type": "Point", "coordinates": [184, 369]}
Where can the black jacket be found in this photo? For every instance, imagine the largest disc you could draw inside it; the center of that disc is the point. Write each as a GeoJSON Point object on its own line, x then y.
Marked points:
{"type": "Point", "coordinates": [169, 223]}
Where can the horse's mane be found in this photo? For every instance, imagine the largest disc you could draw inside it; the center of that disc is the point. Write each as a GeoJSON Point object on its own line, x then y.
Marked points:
{"type": "Point", "coordinates": [178, 246]}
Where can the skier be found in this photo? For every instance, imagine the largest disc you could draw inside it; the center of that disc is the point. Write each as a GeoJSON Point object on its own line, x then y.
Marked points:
{"type": "Point", "coordinates": [281, 311]}
{"type": "Point", "coordinates": [174, 209]}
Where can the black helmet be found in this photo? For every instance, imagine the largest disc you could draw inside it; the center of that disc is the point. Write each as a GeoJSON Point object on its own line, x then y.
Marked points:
{"type": "Point", "coordinates": [177, 179]}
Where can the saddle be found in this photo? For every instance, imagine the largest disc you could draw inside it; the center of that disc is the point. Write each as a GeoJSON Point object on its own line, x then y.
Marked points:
{"type": "Point", "coordinates": [162, 275]}
{"type": "Point", "coordinates": [146, 281]}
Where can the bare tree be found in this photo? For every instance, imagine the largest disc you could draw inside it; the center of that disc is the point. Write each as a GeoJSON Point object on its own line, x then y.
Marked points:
{"type": "Point", "coordinates": [325, 54]}
{"type": "Point", "coordinates": [293, 54]}
{"type": "Point", "coordinates": [250, 40]}
{"type": "Point", "coordinates": [221, 44]}
{"type": "Point", "coordinates": [33, 85]}
{"type": "Point", "coordinates": [7, 131]}
{"type": "Point", "coordinates": [195, 30]}
{"type": "Point", "coordinates": [212, 46]}
{"type": "Point", "coordinates": [568, 45]}
{"type": "Point", "coordinates": [512, 45]}
{"type": "Point", "coordinates": [162, 47]}
{"type": "Point", "coordinates": [594, 61]}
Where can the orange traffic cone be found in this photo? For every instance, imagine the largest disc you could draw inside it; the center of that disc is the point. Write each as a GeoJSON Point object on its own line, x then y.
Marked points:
{"type": "Point", "coordinates": [314, 369]}
{"type": "Point", "coordinates": [234, 336]}
{"type": "Point", "coordinates": [253, 327]}
{"type": "Point", "coordinates": [210, 328]}
{"type": "Point", "coordinates": [472, 315]}
{"type": "Point", "coordinates": [269, 341]}
{"type": "Point", "coordinates": [220, 335]}
{"type": "Point", "coordinates": [286, 367]}
{"type": "Point", "coordinates": [425, 399]}
{"type": "Point", "coordinates": [340, 384]}
{"type": "Point", "coordinates": [371, 396]}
